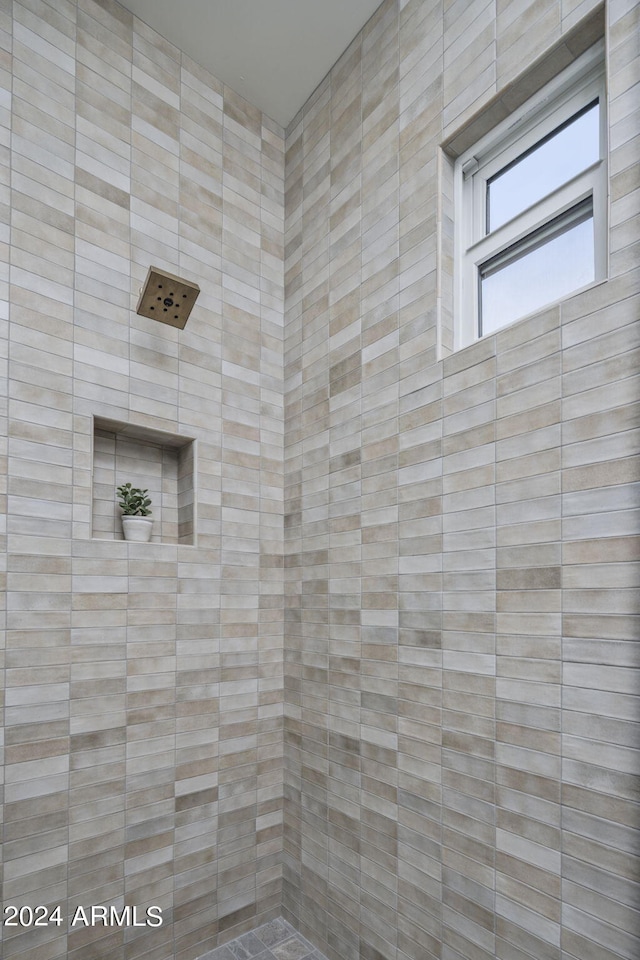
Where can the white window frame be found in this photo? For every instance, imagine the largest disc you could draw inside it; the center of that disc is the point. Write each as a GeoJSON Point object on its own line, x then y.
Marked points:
{"type": "Point", "coordinates": [571, 91]}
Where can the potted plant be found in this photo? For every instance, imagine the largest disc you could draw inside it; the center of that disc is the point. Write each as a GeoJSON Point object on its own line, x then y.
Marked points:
{"type": "Point", "coordinates": [136, 522]}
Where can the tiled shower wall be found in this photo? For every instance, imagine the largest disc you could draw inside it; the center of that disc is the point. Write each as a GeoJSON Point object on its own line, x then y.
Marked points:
{"type": "Point", "coordinates": [143, 738]}
{"type": "Point", "coordinates": [461, 658]}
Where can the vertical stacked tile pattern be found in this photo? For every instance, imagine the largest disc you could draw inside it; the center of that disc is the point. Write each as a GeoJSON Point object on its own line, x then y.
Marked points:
{"type": "Point", "coordinates": [317, 472]}
{"type": "Point", "coordinates": [599, 555]}
{"type": "Point", "coordinates": [38, 704]}
{"type": "Point", "coordinates": [528, 623]}
{"type": "Point", "coordinates": [418, 441]}
{"type": "Point", "coordinates": [454, 756]}
{"type": "Point", "coordinates": [378, 505]}
{"type": "Point", "coordinates": [144, 683]}
{"type": "Point", "coordinates": [6, 31]}
{"type": "Point", "coordinates": [99, 829]}
{"type": "Point", "coordinates": [468, 650]}
{"type": "Point", "coordinates": [459, 785]}
{"type": "Point", "coordinates": [341, 553]}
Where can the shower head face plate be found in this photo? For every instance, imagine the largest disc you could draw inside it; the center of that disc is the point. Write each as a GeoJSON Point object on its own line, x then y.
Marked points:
{"type": "Point", "coordinates": [167, 298]}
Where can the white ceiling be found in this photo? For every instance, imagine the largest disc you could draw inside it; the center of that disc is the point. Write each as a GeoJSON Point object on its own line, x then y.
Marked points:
{"type": "Point", "coordinates": [273, 52]}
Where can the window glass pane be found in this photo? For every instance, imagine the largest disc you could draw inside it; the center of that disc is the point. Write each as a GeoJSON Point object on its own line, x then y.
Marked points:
{"type": "Point", "coordinates": [552, 162]}
{"type": "Point", "coordinates": [546, 271]}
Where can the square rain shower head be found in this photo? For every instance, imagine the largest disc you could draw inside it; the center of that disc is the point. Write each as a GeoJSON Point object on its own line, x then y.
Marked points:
{"type": "Point", "coordinates": [167, 298]}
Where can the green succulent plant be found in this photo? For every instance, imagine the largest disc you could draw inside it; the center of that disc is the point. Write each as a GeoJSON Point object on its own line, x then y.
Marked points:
{"type": "Point", "coordinates": [134, 501]}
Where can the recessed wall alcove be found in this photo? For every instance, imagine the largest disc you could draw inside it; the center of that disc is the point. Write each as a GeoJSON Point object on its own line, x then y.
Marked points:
{"type": "Point", "coordinates": [164, 463]}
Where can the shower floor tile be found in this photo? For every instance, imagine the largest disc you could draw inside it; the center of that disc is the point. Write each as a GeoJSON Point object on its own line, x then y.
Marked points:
{"type": "Point", "coordinates": [273, 941]}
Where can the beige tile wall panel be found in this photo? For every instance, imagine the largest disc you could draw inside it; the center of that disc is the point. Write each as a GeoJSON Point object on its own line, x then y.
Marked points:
{"type": "Point", "coordinates": [5, 218]}
{"type": "Point", "coordinates": [415, 729]}
{"type": "Point", "coordinates": [144, 683]}
{"type": "Point", "coordinates": [460, 738]}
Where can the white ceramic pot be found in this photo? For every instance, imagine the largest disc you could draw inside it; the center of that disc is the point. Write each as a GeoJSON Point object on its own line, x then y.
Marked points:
{"type": "Point", "coordinates": [137, 528]}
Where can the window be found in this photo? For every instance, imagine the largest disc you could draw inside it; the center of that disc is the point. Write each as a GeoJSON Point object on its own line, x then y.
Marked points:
{"type": "Point", "coordinates": [531, 204]}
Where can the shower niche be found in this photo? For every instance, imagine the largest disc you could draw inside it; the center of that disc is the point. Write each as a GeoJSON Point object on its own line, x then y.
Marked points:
{"type": "Point", "coordinates": [162, 462]}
